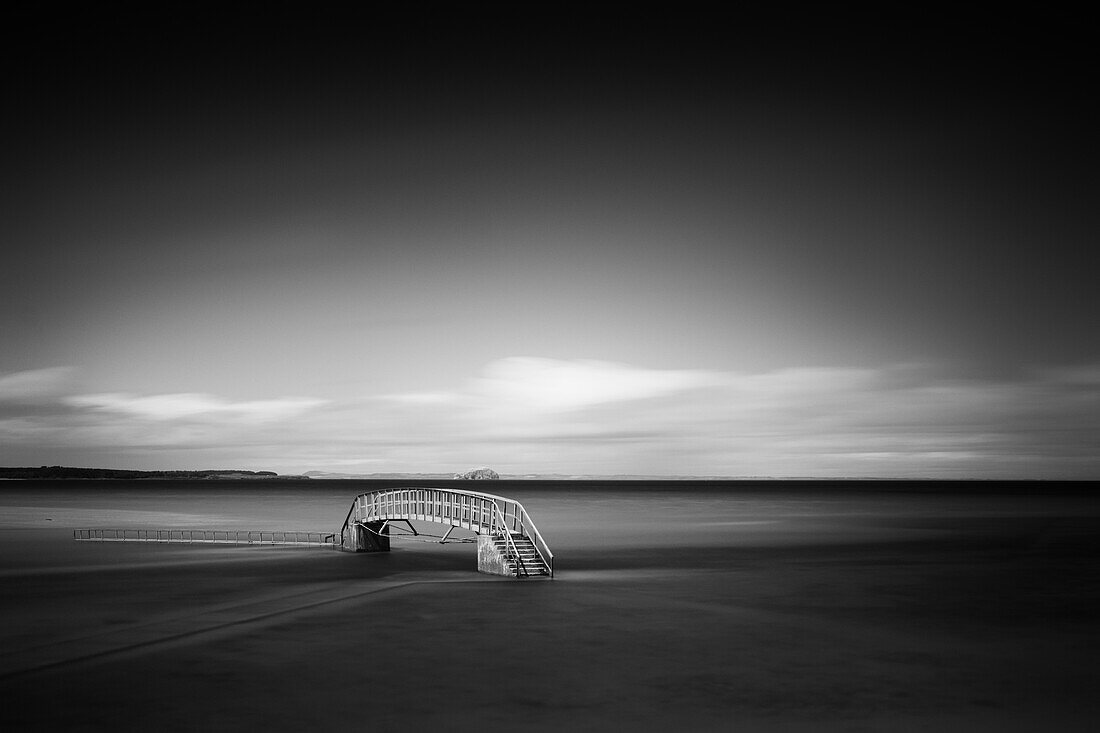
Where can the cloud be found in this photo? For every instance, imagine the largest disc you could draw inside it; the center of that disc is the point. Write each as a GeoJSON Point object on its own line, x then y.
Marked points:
{"type": "Point", "coordinates": [423, 398]}
{"type": "Point", "coordinates": [35, 384]}
{"type": "Point", "coordinates": [192, 405]}
{"type": "Point", "coordinates": [522, 415]}
{"type": "Point", "coordinates": [1088, 375]}
{"type": "Point", "coordinates": [902, 420]}
{"type": "Point", "coordinates": [554, 385]}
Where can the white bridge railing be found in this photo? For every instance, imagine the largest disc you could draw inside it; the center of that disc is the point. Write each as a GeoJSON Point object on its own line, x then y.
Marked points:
{"type": "Point", "coordinates": [473, 510]}
{"type": "Point", "coordinates": [208, 536]}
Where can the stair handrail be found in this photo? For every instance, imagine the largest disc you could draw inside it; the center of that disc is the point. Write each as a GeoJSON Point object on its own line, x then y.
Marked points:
{"type": "Point", "coordinates": [347, 519]}
{"type": "Point", "coordinates": [536, 538]}
{"type": "Point", "coordinates": [528, 529]}
{"type": "Point", "coordinates": [499, 524]}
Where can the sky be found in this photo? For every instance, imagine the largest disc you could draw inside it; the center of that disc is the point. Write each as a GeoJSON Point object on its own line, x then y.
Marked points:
{"type": "Point", "coordinates": [564, 242]}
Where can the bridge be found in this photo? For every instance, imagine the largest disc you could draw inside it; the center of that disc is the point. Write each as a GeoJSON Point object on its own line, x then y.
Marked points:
{"type": "Point", "coordinates": [508, 543]}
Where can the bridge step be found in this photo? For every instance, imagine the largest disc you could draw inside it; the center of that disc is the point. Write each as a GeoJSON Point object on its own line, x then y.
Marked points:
{"type": "Point", "coordinates": [532, 563]}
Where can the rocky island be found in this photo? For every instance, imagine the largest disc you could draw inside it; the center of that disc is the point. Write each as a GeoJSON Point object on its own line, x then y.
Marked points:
{"type": "Point", "coordinates": [478, 473]}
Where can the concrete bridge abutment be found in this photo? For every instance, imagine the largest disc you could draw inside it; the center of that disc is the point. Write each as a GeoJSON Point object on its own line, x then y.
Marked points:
{"type": "Point", "coordinates": [489, 557]}
{"type": "Point", "coordinates": [366, 537]}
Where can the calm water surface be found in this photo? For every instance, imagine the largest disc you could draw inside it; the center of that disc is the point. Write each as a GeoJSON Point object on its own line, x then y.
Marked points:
{"type": "Point", "coordinates": [675, 607]}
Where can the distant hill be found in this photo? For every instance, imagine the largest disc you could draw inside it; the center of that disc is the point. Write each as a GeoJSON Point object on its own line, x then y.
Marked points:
{"type": "Point", "coordinates": [412, 476]}
{"type": "Point", "coordinates": [476, 474]}
{"type": "Point", "coordinates": [65, 472]}
{"type": "Point", "coordinates": [523, 476]}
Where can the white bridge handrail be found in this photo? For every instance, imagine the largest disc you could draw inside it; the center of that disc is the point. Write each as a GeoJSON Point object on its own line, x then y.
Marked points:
{"type": "Point", "coordinates": [457, 507]}
{"type": "Point", "coordinates": [192, 536]}
{"type": "Point", "coordinates": [500, 527]}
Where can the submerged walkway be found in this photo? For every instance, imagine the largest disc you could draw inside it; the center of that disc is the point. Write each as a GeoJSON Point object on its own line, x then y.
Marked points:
{"type": "Point", "coordinates": [209, 536]}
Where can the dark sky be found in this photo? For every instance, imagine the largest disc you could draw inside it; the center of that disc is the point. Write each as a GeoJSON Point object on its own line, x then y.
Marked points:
{"type": "Point", "coordinates": [684, 194]}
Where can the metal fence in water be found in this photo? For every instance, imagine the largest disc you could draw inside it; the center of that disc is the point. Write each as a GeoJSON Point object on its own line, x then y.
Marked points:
{"type": "Point", "coordinates": [208, 536]}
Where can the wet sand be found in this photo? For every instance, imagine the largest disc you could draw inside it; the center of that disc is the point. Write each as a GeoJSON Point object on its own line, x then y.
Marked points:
{"type": "Point", "coordinates": [670, 611]}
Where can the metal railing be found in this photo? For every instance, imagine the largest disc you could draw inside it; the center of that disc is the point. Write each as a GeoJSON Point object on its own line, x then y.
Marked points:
{"type": "Point", "coordinates": [499, 528]}
{"type": "Point", "coordinates": [209, 536]}
{"type": "Point", "coordinates": [526, 527]}
{"type": "Point", "coordinates": [473, 510]}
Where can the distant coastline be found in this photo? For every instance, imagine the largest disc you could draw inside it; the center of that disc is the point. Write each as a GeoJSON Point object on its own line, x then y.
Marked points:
{"type": "Point", "coordinates": [417, 478]}
{"type": "Point", "coordinates": [428, 476]}
{"type": "Point", "coordinates": [66, 472]}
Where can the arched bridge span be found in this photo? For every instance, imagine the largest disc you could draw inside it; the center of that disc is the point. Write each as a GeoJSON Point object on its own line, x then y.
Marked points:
{"type": "Point", "coordinates": [508, 543]}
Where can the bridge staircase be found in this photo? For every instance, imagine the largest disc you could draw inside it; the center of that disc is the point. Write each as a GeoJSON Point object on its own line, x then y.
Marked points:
{"type": "Point", "coordinates": [522, 558]}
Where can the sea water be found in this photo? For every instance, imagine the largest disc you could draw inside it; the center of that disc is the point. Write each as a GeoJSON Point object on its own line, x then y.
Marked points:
{"type": "Point", "coordinates": [773, 605]}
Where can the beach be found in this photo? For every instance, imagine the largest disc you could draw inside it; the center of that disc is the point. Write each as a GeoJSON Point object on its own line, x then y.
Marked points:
{"type": "Point", "coordinates": [671, 609]}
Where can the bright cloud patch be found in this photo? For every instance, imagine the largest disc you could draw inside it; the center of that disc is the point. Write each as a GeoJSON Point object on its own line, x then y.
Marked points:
{"type": "Point", "coordinates": [550, 384]}
{"type": "Point", "coordinates": [553, 385]}
{"type": "Point", "coordinates": [188, 405]}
